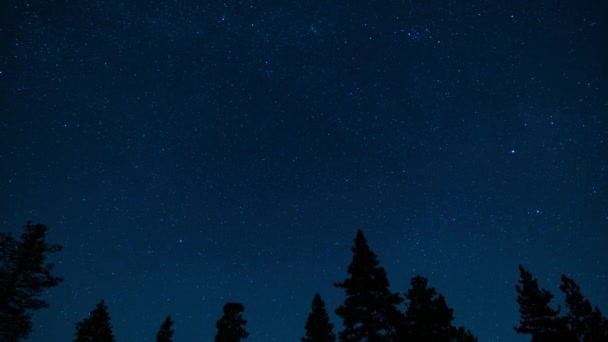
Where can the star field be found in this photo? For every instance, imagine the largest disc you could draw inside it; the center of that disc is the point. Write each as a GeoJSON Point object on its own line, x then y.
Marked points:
{"type": "Point", "coordinates": [189, 153]}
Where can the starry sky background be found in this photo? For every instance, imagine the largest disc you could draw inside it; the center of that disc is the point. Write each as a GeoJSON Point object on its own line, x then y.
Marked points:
{"type": "Point", "coordinates": [187, 153]}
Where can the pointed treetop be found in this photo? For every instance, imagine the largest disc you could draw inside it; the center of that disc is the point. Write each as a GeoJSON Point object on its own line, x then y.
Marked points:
{"type": "Point", "coordinates": [365, 261]}
{"type": "Point", "coordinates": [318, 327]}
{"type": "Point", "coordinates": [96, 327]}
{"type": "Point", "coordinates": [369, 311]}
{"type": "Point", "coordinates": [360, 243]}
{"type": "Point", "coordinates": [165, 334]}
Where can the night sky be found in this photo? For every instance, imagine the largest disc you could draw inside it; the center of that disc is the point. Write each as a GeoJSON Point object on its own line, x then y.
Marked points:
{"type": "Point", "coordinates": [188, 153]}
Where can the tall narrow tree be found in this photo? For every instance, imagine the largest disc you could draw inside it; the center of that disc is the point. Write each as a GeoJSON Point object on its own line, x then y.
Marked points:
{"type": "Point", "coordinates": [165, 333]}
{"type": "Point", "coordinates": [231, 327]}
{"type": "Point", "coordinates": [537, 318]}
{"type": "Point", "coordinates": [23, 278]}
{"type": "Point", "coordinates": [428, 317]}
{"type": "Point", "coordinates": [318, 327]}
{"type": "Point", "coordinates": [96, 327]}
{"type": "Point", "coordinates": [586, 323]}
{"type": "Point", "coordinates": [370, 310]}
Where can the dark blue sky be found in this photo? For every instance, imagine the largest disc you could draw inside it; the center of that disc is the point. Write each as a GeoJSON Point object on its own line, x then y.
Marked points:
{"type": "Point", "coordinates": [188, 153]}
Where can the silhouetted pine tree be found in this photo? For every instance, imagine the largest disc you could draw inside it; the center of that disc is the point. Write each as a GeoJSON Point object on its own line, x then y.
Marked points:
{"type": "Point", "coordinates": [23, 278]}
{"type": "Point", "coordinates": [428, 317]}
{"type": "Point", "coordinates": [537, 318]}
{"type": "Point", "coordinates": [165, 333]}
{"type": "Point", "coordinates": [369, 311]}
{"type": "Point", "coordinates": [318, 327]}
{"type": "Point", "coordinates": [587, 324]}
{"type": "Point", "coordinates": [96, 327]}
{"type": "Point", "coordinates": [231, 327]}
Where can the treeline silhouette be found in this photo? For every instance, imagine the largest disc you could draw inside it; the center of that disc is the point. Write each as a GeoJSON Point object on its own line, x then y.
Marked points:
{"type": "Point", "coordinates": [370, 311]}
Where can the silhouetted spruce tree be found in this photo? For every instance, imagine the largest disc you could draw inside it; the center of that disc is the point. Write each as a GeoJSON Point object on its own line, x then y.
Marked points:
{"type": "Point", "coordinates": [165, 333]}
{"type": "Point", "coordinates": [537, 318]}
{"type": "Point", "coordinates": [96, 327]}
{"type": "Point", "coordinates": [369, 311]}
{"type": "Point", "coordinates": [587, 324]}
{"type": "Point", "coordinates": [428, 317]}
{"type": "Point", "coordinates": [23, 278]}
{"type": "Point", "coordinates": [231, 327]}
{"type": "Point", "coordinates": [318, 327]}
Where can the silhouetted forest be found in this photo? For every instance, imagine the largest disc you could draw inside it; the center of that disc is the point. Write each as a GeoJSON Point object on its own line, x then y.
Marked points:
{"type": "Point", "coordinates": [370, 312]}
